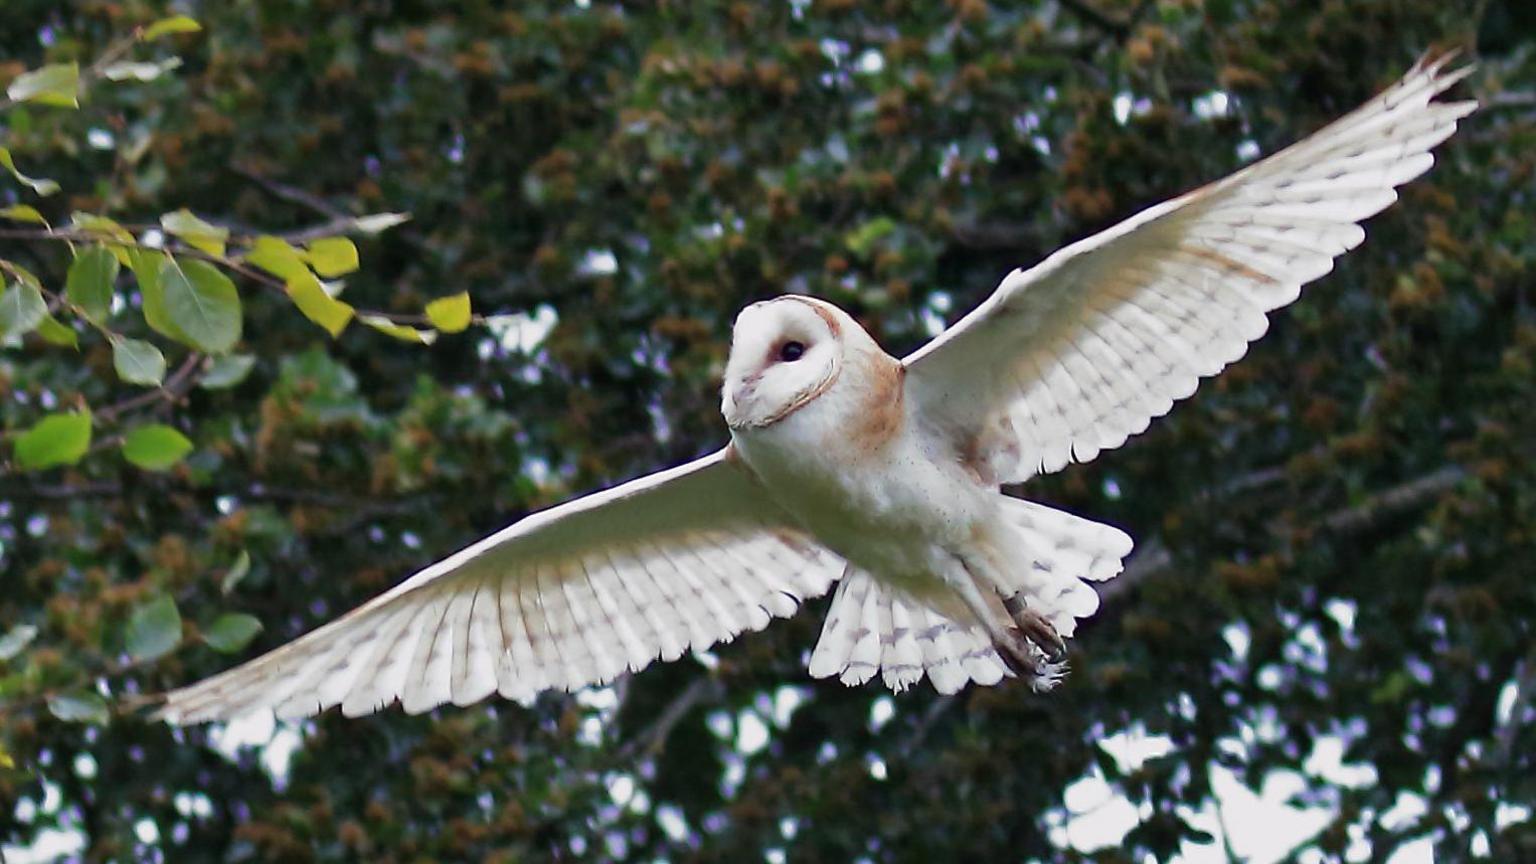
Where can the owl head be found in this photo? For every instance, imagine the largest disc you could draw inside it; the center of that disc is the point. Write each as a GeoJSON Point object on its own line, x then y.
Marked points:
{"type": "Point", "coordinates": [784, 353]}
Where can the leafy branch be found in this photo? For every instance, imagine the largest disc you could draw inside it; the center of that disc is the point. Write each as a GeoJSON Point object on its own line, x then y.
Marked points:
{"type": "Point", "coordinates": [181, 266]}
{"type": "Point", "coordinates": [270, 260]}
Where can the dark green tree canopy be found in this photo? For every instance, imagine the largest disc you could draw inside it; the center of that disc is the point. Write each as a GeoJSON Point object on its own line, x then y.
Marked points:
{"type": "Point", "coordinates": [209, 453]}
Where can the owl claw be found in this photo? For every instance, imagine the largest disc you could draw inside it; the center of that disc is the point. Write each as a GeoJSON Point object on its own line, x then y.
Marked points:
{"type": "Point", "coordinates": [1035, 627]}
{"type": "Point", "coordinates": [1026, 660]}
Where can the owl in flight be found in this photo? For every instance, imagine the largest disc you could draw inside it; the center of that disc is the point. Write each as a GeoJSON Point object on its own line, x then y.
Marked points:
{"type": "Point", "coordinates": [846, 465]}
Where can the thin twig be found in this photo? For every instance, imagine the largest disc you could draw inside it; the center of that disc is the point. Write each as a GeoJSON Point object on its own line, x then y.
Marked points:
{"type": "Point", "coordinates": [337, 218]}
{"type": "Point", "coordinates": [173, 390]}
{"type": "Point", "coordinates": [112, 669]}
{"type": "Point", "coordinates": [654, 737]}
{"type": "Point", "coordinates": [292, 194]}
{"type": "Point", "coordinates": [925, 725]}
{"type": "Point", "coordinates": [274, 284]}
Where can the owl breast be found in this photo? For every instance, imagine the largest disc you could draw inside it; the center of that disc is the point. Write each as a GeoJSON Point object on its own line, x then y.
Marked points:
{"type": "Point", "coordinates": [857, 475]}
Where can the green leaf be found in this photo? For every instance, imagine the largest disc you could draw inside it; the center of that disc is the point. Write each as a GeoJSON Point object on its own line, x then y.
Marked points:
{"type": "Point", "coordinates": [236, 573]}
{"type": "Point", "coordinates": [155, 447]}
{"type": "Point", "coordinates": [146, 264]}
{"type": "Point", "coordinates": [450, 314]}
{"type": "Point", "coordinates": [135, 70]}
{"type": "Point", "coordinates": [22, 308]}
{"type": "Point", "coordinates": [195, 232]}
{"type": "Point", "coordinates": [89, 285]}
{"type": "Point", "coordinates": [40, 185]}
{"type": "Point", "coordinates": [399, 331]}
{"type": "Point", "coordinates": [58, 439]}
{"type": "Point", "coordinates": [863, 238]}
{"type": "Point", "coordinates": [318, 306]}
{"type": "Point", "coordinates": [276, 256]}
{"type": "Point", "coordinates": [202, 303]}
{"type": "Point", "coordinates": [16, 640]}
{"type": "Point", "coordinates": [54, 84]}
{"type": "Point", "coordinates": [26, 276]}
{"type": "Point", "coordinates": [118, 239]}
{"type": "Point", "coordinates": [138, 362]}
{"type": "Point", "coordinates": [23, 213]}
{"type": "Point", "coordinates": [154, 629]}
{"type": "Point", "coordinates": [333, 256]}
{"type": "Point", "coordinates": [231, 631]}
{"type": "Point", "coordinates": [79, 708]}
{"type": "Point", "coordinates": [100, 226]}
{"type": "Point", "coordinates": [227, 371]}
{"type": "Point", "coordinates": [55, 332]}
{"type": "Point", "coordinates": [167, 26]}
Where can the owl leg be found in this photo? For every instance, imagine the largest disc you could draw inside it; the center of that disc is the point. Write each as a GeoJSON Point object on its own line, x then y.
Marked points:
{"type": "Point", "coordinates": [1021, 650]}
{"type": "Point", "coordinates": [1037, 628]}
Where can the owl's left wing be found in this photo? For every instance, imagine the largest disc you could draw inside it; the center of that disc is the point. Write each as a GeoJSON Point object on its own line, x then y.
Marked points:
{"type": "Point", "coordinates": [566, 597]}
{"type": "Point", "coordinates": [1081, 351]}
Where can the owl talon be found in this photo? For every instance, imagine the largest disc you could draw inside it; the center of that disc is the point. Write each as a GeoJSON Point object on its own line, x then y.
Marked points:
{"type": "Point", "coordinates": [1020, 654]}
{"type": "Point", "coordinates": [1026, 660]}
{"type": "Point", "coordinates": [1037, 628]}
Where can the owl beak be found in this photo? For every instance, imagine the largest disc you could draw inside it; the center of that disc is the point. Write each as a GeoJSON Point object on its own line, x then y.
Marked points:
{"type": "Point", "coordinates": [744, 391]}
{"type": "Point", "coordinates": [737, 395]}
{"type": "Point", "coordinates": [746, 388]}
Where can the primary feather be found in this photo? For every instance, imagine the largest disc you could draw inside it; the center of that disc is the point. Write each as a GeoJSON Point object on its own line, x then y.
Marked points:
{"type": "Point", "coordinates": [568, 597]}
{"type": "Point", "coordinates": [1073, 356]}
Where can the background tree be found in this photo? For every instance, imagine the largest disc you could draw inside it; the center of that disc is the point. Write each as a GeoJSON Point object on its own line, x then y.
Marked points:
{"type": "Point", "coordinates": [1335, 535]}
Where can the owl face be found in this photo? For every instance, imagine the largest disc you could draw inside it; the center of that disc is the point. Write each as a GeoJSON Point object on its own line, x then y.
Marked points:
{"type": "Point", "coordinates": [784, 353]}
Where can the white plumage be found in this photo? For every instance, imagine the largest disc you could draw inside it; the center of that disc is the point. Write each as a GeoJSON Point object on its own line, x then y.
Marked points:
{"type": "Point", "coordinates": [846, 462]}
{"type": "Point", "coordinates": [572, 596]}
{"type": "Point", "coordinates": [1107, 333]}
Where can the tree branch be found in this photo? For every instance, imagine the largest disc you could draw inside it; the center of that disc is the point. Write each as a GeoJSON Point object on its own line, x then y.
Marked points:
{"type": "Point", "coordinates": [1154, 559]}
{"type": "Point", "coordinates": [276, 285]}
{"type": "Point", "coordinates": [292, 194]}
{"type": "Point", "coordinates": [1395, 501]}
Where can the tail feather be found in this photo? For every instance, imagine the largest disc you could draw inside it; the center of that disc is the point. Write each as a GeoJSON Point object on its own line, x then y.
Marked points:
{"type": "Point", "coordinates": [1087, 549]}
{"type": "Point", "coordinates": [874, 628]}
{"type": "Point", "coordinates": [871, 628]}
{"type": "Point", "coordinates": [902, 663]}
{"type": "Point", "coordinates": [1062, 552]}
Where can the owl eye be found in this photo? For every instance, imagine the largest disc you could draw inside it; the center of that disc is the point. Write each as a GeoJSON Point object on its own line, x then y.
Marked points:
{"type": "Point", "coordinates": [789, 352]}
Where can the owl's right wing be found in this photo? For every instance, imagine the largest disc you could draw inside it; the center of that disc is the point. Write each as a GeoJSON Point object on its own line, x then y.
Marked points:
{"type": "Point", "coordinates": [567, 597]}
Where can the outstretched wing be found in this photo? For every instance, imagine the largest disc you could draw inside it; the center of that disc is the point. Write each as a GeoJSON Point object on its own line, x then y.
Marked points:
{"type": "Point", "coordinates": [1081, 351]}
{"type": "Point", "coordinates": [570, 596]}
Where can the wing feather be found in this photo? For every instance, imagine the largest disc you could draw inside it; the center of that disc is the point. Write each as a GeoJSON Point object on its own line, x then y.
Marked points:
{"type": "Point", "coordinates": [562, 599]}
{"type": "Point", "coordinates": [1082, 351]}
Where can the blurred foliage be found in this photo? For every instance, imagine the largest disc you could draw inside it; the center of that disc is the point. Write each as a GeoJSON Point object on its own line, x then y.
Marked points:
{"type": "Point", "coordinates": [1336, 534]}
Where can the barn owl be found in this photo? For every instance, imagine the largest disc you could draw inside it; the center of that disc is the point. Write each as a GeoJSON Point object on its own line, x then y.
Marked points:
{"type": "Point", "coordinates": [847, 466]}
